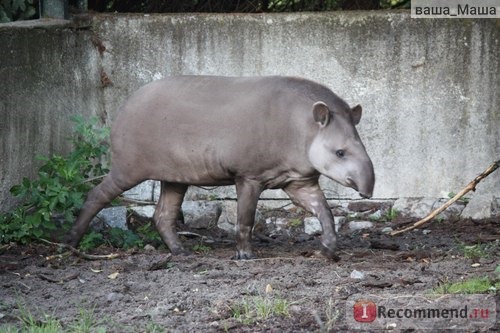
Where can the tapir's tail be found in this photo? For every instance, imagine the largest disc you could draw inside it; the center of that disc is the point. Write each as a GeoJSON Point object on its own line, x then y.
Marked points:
{"type": "Point", "coordinates": [96, 200]}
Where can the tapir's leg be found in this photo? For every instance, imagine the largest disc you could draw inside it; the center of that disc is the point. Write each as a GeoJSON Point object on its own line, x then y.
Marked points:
{"type": "Point", "coordinates": [96, 200]}
{"type": "Point", "coordinates": [166, 213]}
{"type": "Point", "coordinates": [309, 196]}
{"type": "Point", "coordinates": [248, 193]}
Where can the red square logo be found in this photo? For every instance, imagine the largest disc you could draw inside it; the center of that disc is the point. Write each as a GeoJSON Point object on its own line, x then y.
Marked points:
{"type": "Point", "coordinates": [365, 311]}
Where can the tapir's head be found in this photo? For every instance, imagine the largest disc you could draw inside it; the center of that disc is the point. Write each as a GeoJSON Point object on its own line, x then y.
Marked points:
{"type": "Point", "coordinates": [337, 151]}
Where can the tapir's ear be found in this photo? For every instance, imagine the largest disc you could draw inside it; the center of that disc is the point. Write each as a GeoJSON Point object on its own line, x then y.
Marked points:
{"type": "Point", "coordinates": [321, 114]}
{"type": "Point", "coordinates": [356, 114]}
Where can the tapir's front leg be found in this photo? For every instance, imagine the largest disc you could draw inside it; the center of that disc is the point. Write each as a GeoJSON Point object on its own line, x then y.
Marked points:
{"type": "Point", "coordinates": [307, 194]}
{"type": "Point", "coordinates": [248, 193]}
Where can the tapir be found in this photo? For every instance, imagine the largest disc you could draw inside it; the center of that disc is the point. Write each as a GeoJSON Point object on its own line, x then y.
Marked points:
{"type": "Point", "coordinates": [253, 132]}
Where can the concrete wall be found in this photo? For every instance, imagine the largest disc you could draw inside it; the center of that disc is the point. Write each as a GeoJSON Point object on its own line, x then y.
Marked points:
{"type": "Point", "coordinates": [429, 88]}
{"type": "Point", "coordinates": [48, 72]}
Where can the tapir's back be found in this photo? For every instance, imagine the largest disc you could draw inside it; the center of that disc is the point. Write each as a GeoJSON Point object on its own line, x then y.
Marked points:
{"type": "Point", "coordinates": [219, 126]}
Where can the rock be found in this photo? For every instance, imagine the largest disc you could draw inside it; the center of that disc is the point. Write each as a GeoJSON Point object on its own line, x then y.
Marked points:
{"type": "Point", "coordinates": [149, 248]}
{"type": "Point", "coordinates": [387, 230]}
{"type": "Point", "coordinates": [113, 217]}
{"type": "Point", "coordinates": [414, 207]}
{"type": "Point", "coordinates": [275, 225]}
{"type": "Point", "coordinates": [227, 218]}
{"type": "Point", "coordinates": [357, 275]}
{"type": "Point", "coordinates": [339, 221]}
{"type": "Point", "coordinates": [360, 225]}
{"type": "Point", "coordinates": [451, 213]}
{"type": "Point", "coordinates": [112, 297]}
{"type": "Point", "coordinates": [303, 237]}
{"type": "Point", "coordinates": [495, 207]}
{"type": "Point", "coordinates": [375, 216]}
{"type": "Point", "coordinates": [426, 231]}
{"type": "Point", "coordinates": [201, 214]}
{"type": "Point", "coordinates": [144, 211]}
{"type": "Point", "coordinates": [312, 226]}
{"type": "Point", "coordinates": [143, 191]}
{"type": "Point", "coordinates": [368, 205]}
{"type": "Point", "coordinates": [479, 207]}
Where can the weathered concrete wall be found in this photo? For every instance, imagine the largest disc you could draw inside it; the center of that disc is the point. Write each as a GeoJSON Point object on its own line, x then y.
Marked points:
{"type": "Point", "coordinates": [429, 88]}
{"type": "Point", "coordinates": [48, 72]}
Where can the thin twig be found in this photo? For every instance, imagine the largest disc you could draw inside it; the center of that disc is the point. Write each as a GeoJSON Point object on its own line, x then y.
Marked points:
{"type": "Point", "coordinates": [136, 202]}
{"type": "Point", "coordinates": [88, 180]}
{"type": "Point", "coordinates": [470, 187]}
{"type": "Point", "coordinates": [82, 254]}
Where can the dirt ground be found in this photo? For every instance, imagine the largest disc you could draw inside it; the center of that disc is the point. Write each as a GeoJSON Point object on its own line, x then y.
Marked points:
{"type": "Point", "coordinates": [149, 291]}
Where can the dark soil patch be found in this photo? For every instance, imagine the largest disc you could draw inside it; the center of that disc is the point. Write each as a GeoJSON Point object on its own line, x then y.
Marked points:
{"type": "Point", "coordinates": [203, 292]}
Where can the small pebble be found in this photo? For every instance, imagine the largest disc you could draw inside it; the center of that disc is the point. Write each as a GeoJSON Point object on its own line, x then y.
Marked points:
{"type": "Point", "coordinates": [387, 230]}
{"type": "Point", "coordinates": [357, 275]}
{"type": "Point", "coordinates": [111, 297]}
{"type": "Point", "coordinates": [426, 231]}
{"type": "Point", "coordinates": [359, 225]}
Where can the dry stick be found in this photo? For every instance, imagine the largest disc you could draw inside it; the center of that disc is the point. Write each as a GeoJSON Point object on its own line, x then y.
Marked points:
{"type": "Point", "coordinates": [470, 187]}
{"type": "Point", "coordinates": [82, 254]}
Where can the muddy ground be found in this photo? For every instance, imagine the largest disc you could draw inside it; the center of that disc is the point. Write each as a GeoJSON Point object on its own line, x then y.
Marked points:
{"type": "Point", "coordinates": [148, 291]}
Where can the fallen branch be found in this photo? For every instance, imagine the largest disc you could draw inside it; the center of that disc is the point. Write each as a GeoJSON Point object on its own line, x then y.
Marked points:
{"type": "Point", "coordinates": [470, 187]}
{"type": "Point", "coordinates": [82, 254]}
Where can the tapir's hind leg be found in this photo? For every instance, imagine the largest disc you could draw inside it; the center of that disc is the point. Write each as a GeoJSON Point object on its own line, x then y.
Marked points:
{"type": "Point", "coordinates": [166, 213]}
{"type": "Point", "coordinates": [96, 200]}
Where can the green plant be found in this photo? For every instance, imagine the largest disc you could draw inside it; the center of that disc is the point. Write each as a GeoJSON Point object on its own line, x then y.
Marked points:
{"type": "Point", "coordinates": [86, 322]}
{"type": "Point", "coordinates": [91, 240]}
{"type": "Point", "coordinates": [47, 324]}
{"type": "Point", "coordinates": [256, 308]}
{"type": "Point", "coordinates": [476, 285]}
{"type": "Point", "coordinates": [465, 200]}
{"type": "Point", "coordinates": [12, 10]}
{"type": "Point", "coordinates": [54, 197]}
{"type": "Point", "coordinates": [149, 234]}
{"type": "Point", "coordinates": [474, 251]}
{"type": "Point", "coordinates": [123, 238]}
{"type": "Point", "coordinates": [295, 223]}
{"type": "Point", "coordinates": [201, 248]}
{"type": "Point", "coordinates": [391, 214]}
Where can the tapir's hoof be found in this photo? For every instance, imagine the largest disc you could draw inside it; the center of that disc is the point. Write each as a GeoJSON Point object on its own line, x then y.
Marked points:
{"type": "Point", "coordinates": [330, 253]}
{"type": "Point", "coordinates": [242, 255]}
{"type": "Point", "coordinates": [71, 240]}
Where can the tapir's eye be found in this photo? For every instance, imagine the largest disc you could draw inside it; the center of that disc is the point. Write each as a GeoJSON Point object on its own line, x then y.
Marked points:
{"type": "Point", "coordinates": [340, 153]}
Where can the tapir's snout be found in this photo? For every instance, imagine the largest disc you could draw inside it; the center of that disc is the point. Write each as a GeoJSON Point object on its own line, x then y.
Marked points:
{"type": "Point", "coordinates": [363, 181]}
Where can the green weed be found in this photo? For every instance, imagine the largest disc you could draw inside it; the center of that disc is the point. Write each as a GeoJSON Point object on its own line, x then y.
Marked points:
{"type": "Point", "coordinates": [257, 308]}
{"type": "Point", "coordinates": [391, 214]}
{"type": "Point", "coordinates": [149, 234]}
{"type": "Point", "coordinates": [474, 251]}
{"type": "Point", "coordinates": [125, 239]}
{"type": "Point", "coordinates": [52, 200]}
{"type": "Point", "coordinates": [201, 248]}
{"type": "Point", "coordinates": [86, 322]}
{"type": "Point", "coordinates": [476, 285]}
{"type": "Point", "coordinates": [295, 223]}
{"type": "Point", "coordinates": [465, 200]}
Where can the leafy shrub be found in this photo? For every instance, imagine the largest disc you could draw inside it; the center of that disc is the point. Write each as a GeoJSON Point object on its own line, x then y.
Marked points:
{"type": "Point", "coordinates": [124, 238]}
{"type": "Point", "coordinates": [12, 10]}
{"type": "Point", "coordinates": [54, 198]}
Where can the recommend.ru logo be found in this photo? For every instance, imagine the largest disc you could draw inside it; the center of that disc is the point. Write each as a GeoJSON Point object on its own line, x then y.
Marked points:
{"type": "Point", "coordinates": [388, 311]}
